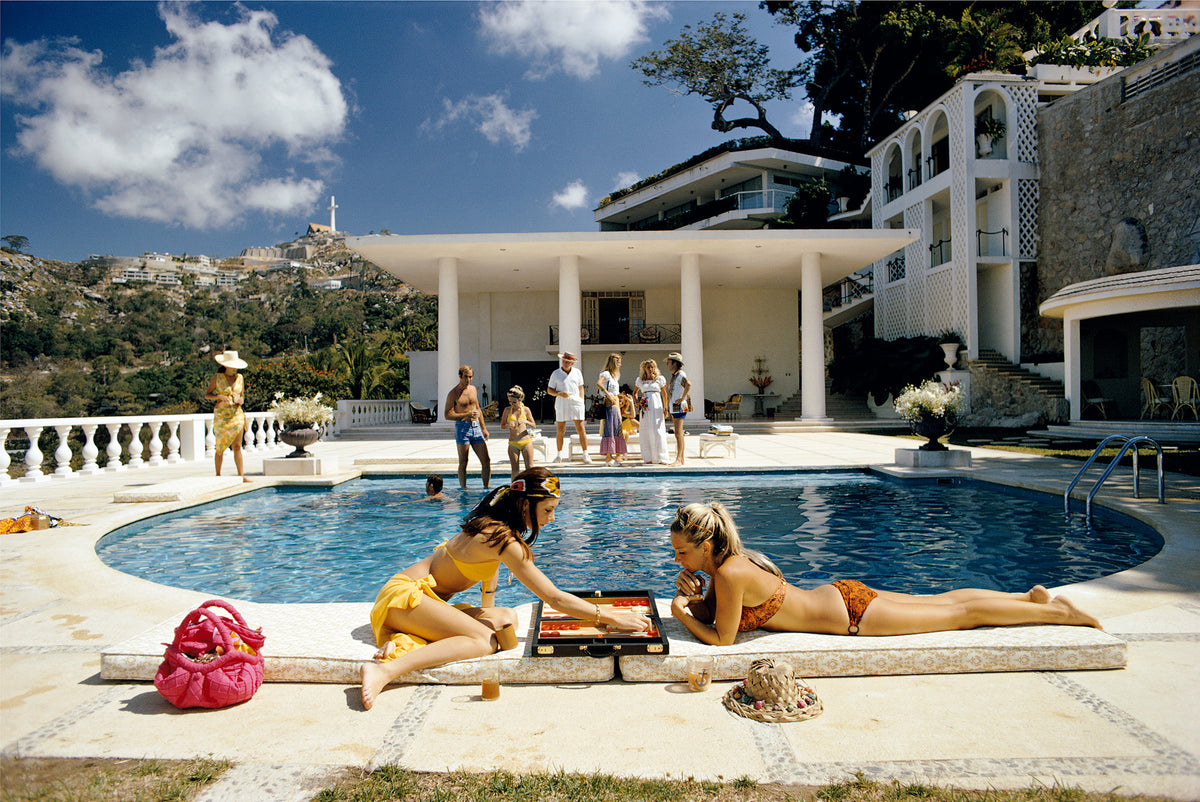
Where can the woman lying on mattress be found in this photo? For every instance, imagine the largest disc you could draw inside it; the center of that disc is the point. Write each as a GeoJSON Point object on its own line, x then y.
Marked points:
{"type": "Point", "coordinates": [415, 626]}
{"type": "Point", "coordinates": [749, 592]}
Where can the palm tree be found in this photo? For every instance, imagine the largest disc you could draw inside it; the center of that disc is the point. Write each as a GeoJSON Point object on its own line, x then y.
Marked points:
{"type": "Point", "coordinates": [983, 42]}
{"type": "Point", "coordinates": [361, 363]}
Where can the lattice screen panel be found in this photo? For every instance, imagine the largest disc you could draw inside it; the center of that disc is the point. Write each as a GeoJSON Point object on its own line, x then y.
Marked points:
{"type": "Point", "coordinates": [1028, 192]}
{"type": "Point", "coordinates": [889, 313]}
{"type": "Point", "coordinates": [1026, 119]}
{"type": "Point", "coordinates": [955, 305]}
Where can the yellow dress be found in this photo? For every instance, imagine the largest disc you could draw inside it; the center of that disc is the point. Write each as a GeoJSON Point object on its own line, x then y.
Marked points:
{"type": "Point", "coordinates": [229, 423]}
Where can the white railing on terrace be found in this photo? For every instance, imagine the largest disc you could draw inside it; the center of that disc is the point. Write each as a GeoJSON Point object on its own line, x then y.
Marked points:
{"type": "Point", "coordinates": [86, 446]}
{"type": "Point", "coordinates": [351, 414]}
{"type": "Point", "coordinates": [1165, 25]}
{"type": "Point", "coordinates": [774, 200]}
{"type": "Point", "coordinates": [169, 439]}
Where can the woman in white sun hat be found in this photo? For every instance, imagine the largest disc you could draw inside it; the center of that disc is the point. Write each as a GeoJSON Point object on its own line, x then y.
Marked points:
{"type": "Point", "coordinates": [227, 391]}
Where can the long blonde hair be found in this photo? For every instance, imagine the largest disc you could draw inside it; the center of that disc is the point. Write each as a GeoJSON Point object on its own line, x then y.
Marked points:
{"type": "Point", "coordinates": [649, 365]}
{"type": "Point", "coordinates": [611, 366]}
{"type": "Point", "coordinates": [712, 522]}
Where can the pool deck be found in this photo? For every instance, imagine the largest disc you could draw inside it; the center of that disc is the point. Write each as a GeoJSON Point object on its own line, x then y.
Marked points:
{"type": "Point", "coordinates": [1134, 730]}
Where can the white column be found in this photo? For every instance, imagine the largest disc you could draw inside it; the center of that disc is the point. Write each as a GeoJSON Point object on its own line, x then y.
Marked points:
{"type": "Point", "coordinates": [812, 340]}
{"type": "Point", "coordinates": [570, 315]}
{"type": "Point", "coordinates": [1072, 365]}
{"type": "Point", "coordinates": [691, 331]}
{"type": "Point", "coordinates": [448, 341]}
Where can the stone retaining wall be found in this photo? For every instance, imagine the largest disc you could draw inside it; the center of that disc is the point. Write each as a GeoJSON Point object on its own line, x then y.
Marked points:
{"type": "Point", "coordinates": [1000, 401]}
{"type": "Point", "coordinates": [1113, 170]}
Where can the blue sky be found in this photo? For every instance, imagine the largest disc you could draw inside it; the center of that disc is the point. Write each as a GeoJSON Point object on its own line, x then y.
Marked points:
{"type": "Point", "coordinates": [210, 127]}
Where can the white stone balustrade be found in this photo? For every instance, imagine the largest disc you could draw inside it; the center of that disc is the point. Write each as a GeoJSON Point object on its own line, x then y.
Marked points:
{"type": "Point", "coordinates": [1163, 24]}
{"type": "Point", "coordinates": [188, 438]}
{"type": "Point", "coordinates": [351, 414]}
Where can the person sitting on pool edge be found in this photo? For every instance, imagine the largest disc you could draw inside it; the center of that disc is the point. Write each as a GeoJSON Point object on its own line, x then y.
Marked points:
{"type": "Point", "coordinates": [414, 624]}
{"type": "Point", "coordinates": [749, 592]}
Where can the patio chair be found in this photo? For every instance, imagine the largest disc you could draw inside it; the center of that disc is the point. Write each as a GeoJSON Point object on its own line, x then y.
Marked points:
{"type": "Point", "coordinates": [1187, 396]}
{"type": "Point", "coordinates": [1092, 398]}
{"type": "Point", "coordinates": [1151, 400]}
{"type": "Point", "coordinates": [419, 413]}
{"type": "Point", "coordinates": [733, 407]}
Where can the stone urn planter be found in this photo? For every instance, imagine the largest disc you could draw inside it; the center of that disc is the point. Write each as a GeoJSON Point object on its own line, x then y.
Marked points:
{"type": "Point", "coordinates": [300, 438]}
{"type": "Point", "coordinates": [950, 353]}
{"type": "Point", "coordinates": [931, 428]}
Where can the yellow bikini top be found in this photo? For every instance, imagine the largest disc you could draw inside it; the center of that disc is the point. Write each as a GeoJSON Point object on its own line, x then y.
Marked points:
{"type": "Point", "coordinates": [476, 572]}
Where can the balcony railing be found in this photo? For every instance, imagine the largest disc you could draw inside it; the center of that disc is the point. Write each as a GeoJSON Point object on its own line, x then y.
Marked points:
{"type": "Point", "coordinates": [771, 200]}
{"type": "Point", "coordinates": [895, 269]}
{"type": "Point", "coordinates": [992, 243]}
{"type": "Point", "coordinates": [894, 189]}
{"type": "Point", "coordinates": [129, 443]}
{"type": "Point", "coordinates": [914, 178]}
{"type": "Point", "coordinates": [847, 291]}
{"type": "Point", "coordinates": [644, 333]}
{"type": "Point", "coordinates": [56, 448]}
{"type": "Point", "coordinates": [1169, 25]}
{"type": "Point", "coordinates": [939, 253]}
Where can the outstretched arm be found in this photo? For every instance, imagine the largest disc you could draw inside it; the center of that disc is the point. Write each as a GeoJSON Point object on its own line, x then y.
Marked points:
{"type": "Point", "coordinates": [529, 575]}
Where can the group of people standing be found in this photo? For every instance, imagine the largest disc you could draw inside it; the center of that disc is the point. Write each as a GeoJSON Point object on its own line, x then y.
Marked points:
{"type": "Point", "coordinates": [642, 408]}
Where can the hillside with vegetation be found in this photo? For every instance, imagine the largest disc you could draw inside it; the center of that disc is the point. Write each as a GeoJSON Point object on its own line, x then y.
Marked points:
{"type": "Point", "coordinates": [73, 342]}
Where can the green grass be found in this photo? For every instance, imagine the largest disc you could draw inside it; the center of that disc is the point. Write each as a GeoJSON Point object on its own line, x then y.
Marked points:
{"type": "Point", "coordinates": [1183, 459]}
{"type": "Point", "coordinates": [393, 783]}
{"type": "Point", "coordinates": [86, 780]}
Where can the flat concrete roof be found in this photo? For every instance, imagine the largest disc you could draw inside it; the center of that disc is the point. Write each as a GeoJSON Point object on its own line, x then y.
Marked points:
{"type": "Point", "coordinates": [615, 260]}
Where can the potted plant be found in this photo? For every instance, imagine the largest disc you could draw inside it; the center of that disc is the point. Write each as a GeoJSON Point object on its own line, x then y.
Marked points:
{"type": "Point", "coordinates": [301, 419]}
{"type": "Point", "coordinates": [931, 410]}
{"type": "Point", "coordinates": [950, 341]}
{"type": "Point", "coordinates": [988, 129]}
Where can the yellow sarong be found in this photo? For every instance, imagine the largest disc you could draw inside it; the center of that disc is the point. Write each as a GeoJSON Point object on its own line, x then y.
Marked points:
{"type": "Point", "coordinates": [229, 423]}
{"type": "Point", "coordinates": [401, 593]}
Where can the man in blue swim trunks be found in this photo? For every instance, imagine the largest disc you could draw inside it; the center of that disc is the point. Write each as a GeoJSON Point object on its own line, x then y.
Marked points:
{"type": "Point", "coordinates": [470, 432]}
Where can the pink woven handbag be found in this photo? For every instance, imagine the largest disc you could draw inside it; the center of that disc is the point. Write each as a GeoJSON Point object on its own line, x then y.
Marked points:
{"type": "Point", "coordinates": [205, 666]}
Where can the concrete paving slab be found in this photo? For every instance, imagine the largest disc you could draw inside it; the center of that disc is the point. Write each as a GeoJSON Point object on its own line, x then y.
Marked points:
{"type": "Point", "coordinates": [1130, 729]}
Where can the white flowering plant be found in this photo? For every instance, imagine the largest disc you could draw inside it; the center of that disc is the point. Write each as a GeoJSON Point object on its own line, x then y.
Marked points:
{"type": "Point", "coordinates": [299, 412]}
{"type": "Point", "coordinates": [931, 399]}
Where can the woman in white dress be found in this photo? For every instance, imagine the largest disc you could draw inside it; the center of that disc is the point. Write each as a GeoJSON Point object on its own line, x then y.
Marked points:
{"type": "Point", "coordinates": [651, 388]}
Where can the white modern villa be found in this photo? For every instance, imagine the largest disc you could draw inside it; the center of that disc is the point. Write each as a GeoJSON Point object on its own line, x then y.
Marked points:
{"type": "Point", "coordinates": [507, 303]}
{"type": "Point", "coordinates": [979, 267]}
{"type": "Point", "coordinates": [685, 260]}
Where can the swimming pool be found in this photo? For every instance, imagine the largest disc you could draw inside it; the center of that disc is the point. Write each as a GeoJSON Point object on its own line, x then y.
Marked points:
{"type": "Point", "coordinates": [342, 544]}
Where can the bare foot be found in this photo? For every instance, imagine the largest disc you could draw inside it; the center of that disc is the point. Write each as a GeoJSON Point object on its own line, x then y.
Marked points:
{"type": "Point", "coordinates": [676, 464]}
{"type": "Point", "coordinates": [1039, 595]}
{"type": "Point", "coordinates": [1075, 616]}
{"type": "Point", "coordinates": [374, 679]}
{"type": "Point", "coordinates": [247, 479]}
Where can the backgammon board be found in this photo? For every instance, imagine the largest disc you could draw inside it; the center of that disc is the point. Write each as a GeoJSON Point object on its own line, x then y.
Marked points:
{"type": "Point", "coordinates": [560, 635]}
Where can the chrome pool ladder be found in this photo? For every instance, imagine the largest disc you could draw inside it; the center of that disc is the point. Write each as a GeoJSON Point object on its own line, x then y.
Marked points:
{"type": "Point", "coordinates": [1130, 442]}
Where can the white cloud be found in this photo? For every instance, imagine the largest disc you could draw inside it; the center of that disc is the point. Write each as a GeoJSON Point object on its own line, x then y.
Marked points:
{"type": "Point", "coordinates": [571, 197]}
{"type": "Point", "coordinates": [184, 138]}
{"type": "Point", "coordinates": [490, 115]}
{"type": "Point", "coordinates": [802, 118]}
{"type": "Point", "coordinates": [626, 179]}
{"type": "Point", "coordinates": [568, 35]}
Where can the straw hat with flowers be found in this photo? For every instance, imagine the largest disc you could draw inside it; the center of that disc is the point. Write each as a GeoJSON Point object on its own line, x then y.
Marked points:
{"type": "Point", "coordinates": [773, 693]}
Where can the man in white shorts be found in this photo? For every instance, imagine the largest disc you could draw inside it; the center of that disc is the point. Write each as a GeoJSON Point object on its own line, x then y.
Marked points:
{"type": "Point", "coordinates": [566, 385]}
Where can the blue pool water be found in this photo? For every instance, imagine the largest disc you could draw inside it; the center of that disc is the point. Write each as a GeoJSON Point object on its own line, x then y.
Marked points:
{"type": "Point", "coordinates": [342, 544]}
